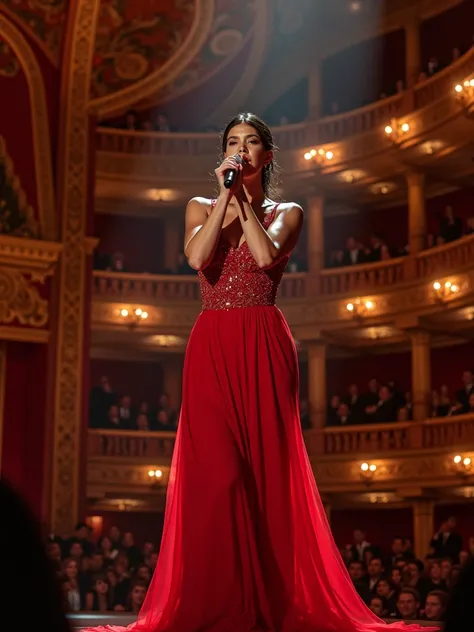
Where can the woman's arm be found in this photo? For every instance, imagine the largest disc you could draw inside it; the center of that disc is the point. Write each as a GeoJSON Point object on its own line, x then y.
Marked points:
{"type": "Point", "coordinates": [202, 230]}
{"type": "Point", "coordinates": [89, 601]}
{"type": "Point", "coordinates": [269, 246]}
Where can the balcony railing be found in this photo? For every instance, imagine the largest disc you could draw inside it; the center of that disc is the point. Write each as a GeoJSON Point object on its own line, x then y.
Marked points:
{"type": "Point", "coordinates": [328, 129]}
{"type": "Point", "coordinates": [168, 287]}
{"type": "Point", "coordinates": [356, 441]}
{"type": "Point", "coordinates": [363, 277]}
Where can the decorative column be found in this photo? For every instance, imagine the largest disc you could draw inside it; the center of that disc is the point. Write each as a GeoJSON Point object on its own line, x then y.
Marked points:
{"type": "Point", "coordinates": [317, 383]}
{"type": "Point", "coordinates": [423, 520]}
{"type": "Point", "coordinates": [315, 245]}
{"type": "Point", "coordinates": [421, 374]}
{"type": "Point", "coordinates": [412, 52]}
{"type": "Point", "coordinates": [315, 91]}
{"type": "Point", "coordinates": [416, 212]}
{"type": "Point", "coordinates": [172, 244]}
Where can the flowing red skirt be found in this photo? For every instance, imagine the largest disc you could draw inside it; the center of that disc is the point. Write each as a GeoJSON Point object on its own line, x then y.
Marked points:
{"type": "Point", "coordinates": [246, 545]}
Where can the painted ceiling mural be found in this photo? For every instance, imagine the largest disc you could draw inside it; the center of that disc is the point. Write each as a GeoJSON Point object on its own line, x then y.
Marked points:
{"type": "Point", "coordinates": [44, 19]}
{"type": "Point", "coordinates": [137, 38]}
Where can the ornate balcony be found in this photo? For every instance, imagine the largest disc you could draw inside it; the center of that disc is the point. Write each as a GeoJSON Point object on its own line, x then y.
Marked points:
{"type": "Point", "coordinates": [156, 161]}
{"type": "Point", "coordinates": [406, 458]}
{"type": "Point", "coordinates": [397, 289]}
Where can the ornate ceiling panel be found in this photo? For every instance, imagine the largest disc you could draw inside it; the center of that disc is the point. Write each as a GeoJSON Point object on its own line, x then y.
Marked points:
{"type": "Point", "coordinates": [160, 49]}
{"type": "Point", "coordinates": [44, 20]}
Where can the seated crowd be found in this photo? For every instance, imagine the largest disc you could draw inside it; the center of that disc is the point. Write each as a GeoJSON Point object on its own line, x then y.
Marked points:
{"type": "Point", "coordinates": [110, 411]}
{"type": "Point", "coordinates": [395, 584]}
{"type": "Point", "coordinates": [450, 229]}
{"type": "Point", "coordinates": [384, 403]}
{"type": "Point", "coordinates": [112, 574]}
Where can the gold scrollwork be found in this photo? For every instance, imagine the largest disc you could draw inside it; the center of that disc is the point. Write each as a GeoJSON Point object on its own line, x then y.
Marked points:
{"type": "Point", "coordinates": [20, 301]}
{"type": "Point", "coordinates": [9, 66]}
{"type": "Point", "coordinates": [16, 215]}
{"type": "Point", "coordinates": [40, 124]}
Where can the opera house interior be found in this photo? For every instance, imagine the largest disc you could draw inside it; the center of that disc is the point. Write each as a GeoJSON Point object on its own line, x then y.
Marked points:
{"type": "Point", "coordinates": [111, 113]}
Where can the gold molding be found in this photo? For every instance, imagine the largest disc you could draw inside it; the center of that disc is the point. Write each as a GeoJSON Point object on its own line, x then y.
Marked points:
{"type": "Point", "coordinates": [73, 157]}
{"type": "Point", "coordinates": [24, 334]}
{"type": "Point", "coordinates": [40, 127]}
{"type": "Point", "coordinates": [113, 103]}
{"type": "Point", "coordinates": [20, 300]}
{"type": "Point", "coordinates": [14, 17]}
{"type": "Point", "coordinates": [37, 257]}
{"type": "Point", "coordinates": [3, 368]}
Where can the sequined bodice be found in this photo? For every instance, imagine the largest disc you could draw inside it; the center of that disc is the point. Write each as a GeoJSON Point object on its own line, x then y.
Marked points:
{"type": "Point", "coordinates": [233, 279]}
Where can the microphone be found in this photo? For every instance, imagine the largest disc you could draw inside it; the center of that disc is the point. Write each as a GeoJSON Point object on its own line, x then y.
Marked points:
{"type": "Point", "coordinates": [231, 173]}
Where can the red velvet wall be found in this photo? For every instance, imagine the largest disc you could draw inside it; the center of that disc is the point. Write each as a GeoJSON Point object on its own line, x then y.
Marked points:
{"type": "Point", "coordinates": [391, 224]}
{"type": "Point", "coordinates": [24, 434]}
{"type": "Point", "coordinates": [447, 365]}
{"type": "Point", "coordinates": [462, 202]}
{"type": "Point", "coordinates": [448, 30]}
{"type": "Point", "coordinates": [140, 380]}
{"type": "Point", "coordinates": [146, 527]}
{"type": "Point", "coordinates": [140, 239]}
{"type": "Point", "coordinates": [374, 522]}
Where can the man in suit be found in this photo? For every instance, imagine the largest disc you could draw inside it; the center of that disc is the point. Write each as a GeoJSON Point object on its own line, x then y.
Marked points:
{"type": "Point", "coordinates": [352, 254]}
{"type": "Point", "coordinates": [462, 396]}
{"type": "Point", "coordinates": [446, 542]}
{"type": "Point", "coordinates": [355, 403]}
{"type": "Point", "coordinates": [385, 410]}
{"type": "Point", "coordinates": [359, 546]}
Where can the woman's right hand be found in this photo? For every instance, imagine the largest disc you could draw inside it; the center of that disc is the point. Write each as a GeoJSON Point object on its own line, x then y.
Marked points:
{"type": "Point", "coordinates": [229, 163]}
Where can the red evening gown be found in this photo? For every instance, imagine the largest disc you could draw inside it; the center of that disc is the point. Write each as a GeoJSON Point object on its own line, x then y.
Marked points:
{"type": "Point", "coordinates": [246, 545]}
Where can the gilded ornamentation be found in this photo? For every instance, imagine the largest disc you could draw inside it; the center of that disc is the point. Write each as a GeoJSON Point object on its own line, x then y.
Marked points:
{"type": "Point", "coordinates": [9, 66]}
{"type": "Point", "coordinates": [73, 157]}
{"type": "Point", "coordinates": [40, 125]}
{"type": "Point", "coordinates": [20, 301]}
{"type": "Point", "coordinates": [44, 19]}
{"type": "Point", "coordinates": [16, 215]}
{"type": "Point", "coordinates": [144, 47]}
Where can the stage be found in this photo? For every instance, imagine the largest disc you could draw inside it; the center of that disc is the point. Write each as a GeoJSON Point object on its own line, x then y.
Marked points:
{"type": "Point", "coordinates": [91, 619]}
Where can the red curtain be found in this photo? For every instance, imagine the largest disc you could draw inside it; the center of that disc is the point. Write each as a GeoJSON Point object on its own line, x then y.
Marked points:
{"type": "Point", "coordinates": [25, 431]}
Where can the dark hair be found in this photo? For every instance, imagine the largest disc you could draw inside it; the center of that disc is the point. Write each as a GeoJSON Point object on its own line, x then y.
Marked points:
{"type": "Point", "coordinates": [269, 172]}
{"type": "Point", "coordinates": [410, 591]}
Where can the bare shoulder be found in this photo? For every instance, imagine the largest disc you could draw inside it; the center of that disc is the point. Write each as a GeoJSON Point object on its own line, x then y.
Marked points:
{"type": "Point", "coordinates": [199, 202]}
{"type": "Point", "coordinates": [289, 208]}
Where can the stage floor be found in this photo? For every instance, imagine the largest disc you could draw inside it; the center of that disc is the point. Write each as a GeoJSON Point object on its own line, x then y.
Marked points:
{"type": "Point", "coordinates": [91, 619]}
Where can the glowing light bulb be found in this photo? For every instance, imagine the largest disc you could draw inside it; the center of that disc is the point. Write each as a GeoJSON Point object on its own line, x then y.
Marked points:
{"type": "Point", "coordinates": [124, 313]}
{"type": "Point", "coordinates": [437, 286]}
{"type": "Point", "coordinates": [467, 461]}
{"type": "Point", "coordinates": [457, 459]}
{"type": "Point", "coordinates": [369, 304]}
{"type": "Point", "coordinates": [372, 468]}
{"type": "Point", "coordinates": [454, 288]}
{"type": "Point", "coordinates": [158, 473]}
{"type": "Point", "coordinates": [388, 130]}
{"type": "Point", "coordinates": [329, 155]}
{"type": "Point", "coordinates": [447, 285]}
{"type": "Point", "coordinates": [458, 88]}
{"type": "Point", "coordinates": [307, 156]}
{"type": "Point", "coordinates": [364, 467]}
{"type": "Point", "coordinates": [405, 127]}
{"type": "Point", "coordinates": [138, 312]}
{"type": "Point", "coordinates": [144, 315]}
{"type": "Point", "coordinates": [313, 152]}
{"type": "Point", "coordinates": [151, 473]}
{"type": "Point", "coordinates": [350, 307]}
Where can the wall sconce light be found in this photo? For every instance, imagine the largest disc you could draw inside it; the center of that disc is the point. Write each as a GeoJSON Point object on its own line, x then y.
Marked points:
{"type": "Point", "coordinates": [396, 130]}
{"type": "Point", "coordinates": [133, 317]}
{"type": "Point", "coordinates": [367, 471]}
{"type": "Point", "coordinates": [320, 156]}
{"type": "Point", "coordinates": [464, 93]}
{"type": "Point", "coordinates": [154, 477]}
{"type": "Point", "coordinates": [442, 291]}
{"type": "Point", "coordinates": [462, 464]}
{"type": "Point", "coordinates": [360, 308]}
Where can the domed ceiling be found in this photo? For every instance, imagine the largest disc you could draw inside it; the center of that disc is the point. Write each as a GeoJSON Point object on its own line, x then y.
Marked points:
{"type": "Point", "coordinates": [166, 48]}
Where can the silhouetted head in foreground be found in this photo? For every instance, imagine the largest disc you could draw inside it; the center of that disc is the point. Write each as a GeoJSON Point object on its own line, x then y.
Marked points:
{"type": "Point", "coordinates": [459, 614]}
{"type": "Point", "coordinates": [31, 595]}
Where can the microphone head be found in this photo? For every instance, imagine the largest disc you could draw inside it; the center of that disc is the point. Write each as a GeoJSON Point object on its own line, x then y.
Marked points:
{"type": "Point", "coordinates": [238, 158]}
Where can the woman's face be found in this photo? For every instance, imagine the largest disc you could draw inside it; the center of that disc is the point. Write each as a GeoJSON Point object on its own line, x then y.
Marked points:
{"type": "Point", "coordinates": [71, 570]}
{"type": "Point", "coordinates": [383, 589]}
{"type": "Point", "coordinates": [243, 139]}
{"type": "Point", "coordinates": [101, 587]}
{"type": "Point", "coordinates": [138, 595]}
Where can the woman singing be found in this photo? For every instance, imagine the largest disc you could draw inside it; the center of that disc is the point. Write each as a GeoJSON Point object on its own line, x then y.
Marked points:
{"type": "Point", "coordinates": [246, 545]}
